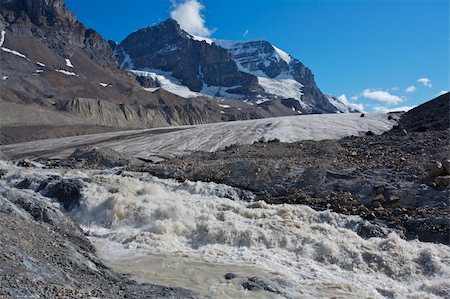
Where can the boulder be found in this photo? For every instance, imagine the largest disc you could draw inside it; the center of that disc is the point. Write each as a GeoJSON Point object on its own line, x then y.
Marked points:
{"type": "Point", "coordinates": [256, 284]}
{"type": "Point", "coordinates": [442, 182]}
{"type": "Point", "coordinates": [436, 168]}
{"type": "Point", "coordinates": [229, 276]}
{"type": "Point", "coordinates": [67, 192]}
{"type": "Point", "coordinates": [446, 166]}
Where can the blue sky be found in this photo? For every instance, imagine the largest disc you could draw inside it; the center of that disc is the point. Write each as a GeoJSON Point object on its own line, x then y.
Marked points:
{"type": "Point", "coordinates": [369, 51]}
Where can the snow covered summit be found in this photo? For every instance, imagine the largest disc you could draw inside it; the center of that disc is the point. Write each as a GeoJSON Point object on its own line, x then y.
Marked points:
{"type": "Point", "coordinates": [253, 71]}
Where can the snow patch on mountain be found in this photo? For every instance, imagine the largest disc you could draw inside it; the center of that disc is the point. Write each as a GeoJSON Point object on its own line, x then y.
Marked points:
{"type": "Point", "coordinates": [171, 84]}
{"type": "Point", "coordinates": [209, 41]}
{"type": "Point", "coordinates": [220, 92]}
{"type": "Point", "coordinates": [14, 53]}
{"type": "Point", "coordinates": [283, 55]}
{"type": "Point", "coordinates": [2, 37]}
{"type": "Point", "coordinates": [343, 105]}
{"type": "Point", "coordinates": [127, 62]}
{"type": "Point", "coordinates": [283, 88]}
{"type": "Point", "coordinates": [250, 55]}
{"type": "Point", "coordinates": [69, 63]}
{"type": "Point", "coordinates": [66, 72]}
{"type": "Point", "coordinates": [167, 82]}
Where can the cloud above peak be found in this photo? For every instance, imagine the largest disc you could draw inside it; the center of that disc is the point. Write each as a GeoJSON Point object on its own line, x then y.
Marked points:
{"type": "Point", "coordinates": [425, 82]}
{"type": "Point", "coordinates": [189, 15]}
{"type": "Point", "coordinates": [410, 89]}
{"type": "Point", "coordinates": [382, 96]}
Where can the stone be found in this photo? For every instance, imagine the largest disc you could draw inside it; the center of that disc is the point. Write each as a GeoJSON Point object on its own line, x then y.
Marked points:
{"type": "Point", "coordinates": [256, 284]}
{"type": "Point", "coordinates": [379, 189]}
{"type": "Point", "coordinates": [371, 216]}
{"type": "Point", "coordinates": [376, 204]}
{"type": "Point", "coordinates": [379, 198]}
{"type": "Point", "coordinates": [393, 198]}
{"type": "Point", "coordinates": [442, 182]}
{"type": "Point", "coordinates": [436, 168]}
{"type": "Point", "coordinates": [446, 166]}
{"type": "Point", "coordinates": [67, 192]}
{"type": "Point", "coordinates": [229, 276]}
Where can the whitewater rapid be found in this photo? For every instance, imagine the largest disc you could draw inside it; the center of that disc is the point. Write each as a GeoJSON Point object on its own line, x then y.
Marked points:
{"type": "Point", "coordinates": [191, 234]}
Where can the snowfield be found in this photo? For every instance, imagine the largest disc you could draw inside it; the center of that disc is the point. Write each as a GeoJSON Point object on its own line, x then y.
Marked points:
{"type": "Point", "coordinates": [183, 140]}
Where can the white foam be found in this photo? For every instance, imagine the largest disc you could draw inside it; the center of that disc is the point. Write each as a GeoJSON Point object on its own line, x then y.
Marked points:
{"type": "Point", "coordinates": [302, 252]}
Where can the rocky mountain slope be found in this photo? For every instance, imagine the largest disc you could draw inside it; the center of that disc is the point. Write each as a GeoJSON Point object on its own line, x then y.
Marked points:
{"type": "Point", "coordinates": [255, 71]}
{"type": "Point", "coordinates": [58, 75]}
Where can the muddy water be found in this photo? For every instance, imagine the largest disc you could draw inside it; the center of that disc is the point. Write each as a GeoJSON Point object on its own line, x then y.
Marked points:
{"type": "Point", "coordinates": [191, 234]}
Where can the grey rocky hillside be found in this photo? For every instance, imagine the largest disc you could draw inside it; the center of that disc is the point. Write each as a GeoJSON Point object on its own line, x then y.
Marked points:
{"type": "Point", "coordinates": [227, 69]}
{"type": "Point", "coordinates": [59, 78]}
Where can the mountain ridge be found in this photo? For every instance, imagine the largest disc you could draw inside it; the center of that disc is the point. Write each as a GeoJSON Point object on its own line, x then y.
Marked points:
{"type": "Point", "coordinates": [274, 74]}
{"type": "Point", "coordinates": [56, 73]}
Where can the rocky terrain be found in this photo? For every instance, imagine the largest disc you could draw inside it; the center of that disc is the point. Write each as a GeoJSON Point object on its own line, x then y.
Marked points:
{"type": "Point", "coordinates": [400, 177]}
{"type": "Point", "coordinates": [397, 181]}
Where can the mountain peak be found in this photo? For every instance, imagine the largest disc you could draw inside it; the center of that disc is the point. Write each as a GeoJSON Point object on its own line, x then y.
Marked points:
{"type": "Point", "coordinates": [170, 26]}
{"type": "Point", "coordinates": [43, 12]}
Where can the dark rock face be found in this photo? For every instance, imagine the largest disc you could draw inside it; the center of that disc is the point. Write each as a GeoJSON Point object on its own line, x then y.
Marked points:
{"type": "Point", "coordinates": [433, 115]}
{"type": "Point", "coordinates": [256, 284]}
{"type": "Point", "coordinates": [40, 18]}
{"type": "Point", "coordinates": [67, 192]}
{"type": "Point", "coordinates": [167, 47]}
{"type": "Point", "coordinates": [312, 94]}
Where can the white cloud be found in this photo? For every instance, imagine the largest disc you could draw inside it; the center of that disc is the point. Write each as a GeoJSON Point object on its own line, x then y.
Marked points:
{"type": "Point", "coordinates": [188, 15]}
{"type": "Point", "coordinates": [384, 109]}
{"type": "Point", "coordinates": [245, 33]}
{"type": "Point", "coordinates": [425, 82]}
{"type": "Point", "coordinates": [344, 100]}
{"type": "Point", "coordinates": [382, 96]}
{"type": "Point", "coordinates": [410, 89]}
{"type": "Point", "coordinates": [354, 98]}
{"type": "Point", "coordinates": [442, 92]}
